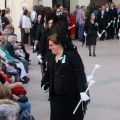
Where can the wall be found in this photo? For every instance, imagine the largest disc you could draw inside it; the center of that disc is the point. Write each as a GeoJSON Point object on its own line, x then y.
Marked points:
{"type": "Point", "coordinates": [73, 4]}
{"type": "Point", "coordinates": [2, 4]}
{"type": "Point", "coordinates": [98, 2]}
{"type": "Point", "coordinates": [47, 3]}
{"type": "Point", "coordinates": [84, 2]}
{"type": "Point", "coordinates": [116, 2]}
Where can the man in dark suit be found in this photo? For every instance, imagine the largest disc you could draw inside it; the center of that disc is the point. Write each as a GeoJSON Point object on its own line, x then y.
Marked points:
{"type": "Point", "coordinates": [10, 47]}
{"type": "Point", "coordinates": [107, 9]}
{"type": "Point", "coordinates": [102, 21]}
{"type": "Point", "coordinates": [113, 12]}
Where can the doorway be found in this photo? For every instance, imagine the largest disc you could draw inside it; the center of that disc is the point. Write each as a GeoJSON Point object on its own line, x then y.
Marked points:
{"type": "Point", "coordinates": [64, 3]}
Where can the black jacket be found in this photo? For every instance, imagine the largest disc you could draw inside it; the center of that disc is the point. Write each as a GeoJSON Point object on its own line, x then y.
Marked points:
{"type": "Point", "coordinates": [11, 50]}
{"type": "Point", "coordinates": [5, 22]}
{"type": "Point", "coordinates": [105, 18]}
{"type": "Point", "coordinates": [72, 74]}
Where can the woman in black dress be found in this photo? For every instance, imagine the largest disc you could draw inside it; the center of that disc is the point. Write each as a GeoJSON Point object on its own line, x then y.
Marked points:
{"type": "Point", "coordinates": [66, 79]}
{"type": "Point", "coordinates": [91, 33]}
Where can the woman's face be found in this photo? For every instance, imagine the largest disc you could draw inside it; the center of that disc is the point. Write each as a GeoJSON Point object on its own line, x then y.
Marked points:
{"type": "Point", "coordinates": [39, 18]}
{"type": "Point", "coordinates": [92, 16]}
{"type": "Point", "coordinates": [50, 23]}
{"type": "Point", "coordinates": [54, 48]}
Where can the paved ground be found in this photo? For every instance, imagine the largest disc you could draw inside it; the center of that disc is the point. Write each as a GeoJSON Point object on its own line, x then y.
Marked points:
{"type": "Point", "coordinates": [105, 94]}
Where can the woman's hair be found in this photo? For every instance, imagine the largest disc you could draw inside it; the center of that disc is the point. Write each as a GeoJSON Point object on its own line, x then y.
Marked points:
{"type": "Point", "coordinates": [3, 39]}
{"type": "Point", "coordinates": [5, 92]}
{"type": "Point", "coordinates": [7, 10]}
{"type": "Point", "coordinates": [9, 27]}
{"type": "Point", "coordinates": [89, 16]}
{"type": "Point", "coordinates": [53, 38]}
{"type": "Point", "coordinates": [49, 16]}
{"type": "Point", "coordinates": [7, 112]}
{"type": "Point", "coordinates": [25, 12]}
{"type": "Point", "coordinates": [0, 11]}
{"type": "Point", "coordinates": [3, 13]}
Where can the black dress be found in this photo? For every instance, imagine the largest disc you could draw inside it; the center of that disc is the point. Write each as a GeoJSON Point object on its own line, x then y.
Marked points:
{"type": "Point", "coordinates": [61, 105]}
{"type": "Point", "coordinates": [91, 31]}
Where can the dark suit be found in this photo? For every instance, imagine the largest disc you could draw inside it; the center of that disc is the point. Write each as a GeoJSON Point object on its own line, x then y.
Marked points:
{"type": "Point", "coordinates": [113, 17]}
{"type": "Point", "coordinates": [102, 22]}
{"type": "Point", "coordinates": [109, 20]}
{"type": "Point", "coordinates": [11, 50]}
{"type": "Point", "coordinates": [73, 80]}
{"type": "Point", "coordinates": [72, 74]}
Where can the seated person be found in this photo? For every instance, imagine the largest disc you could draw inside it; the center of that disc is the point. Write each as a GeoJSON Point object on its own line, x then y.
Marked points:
{"type": "Point", "coordinates": [5, 98]}
{"type": "Point", "coordinates": [22, 49]}
{"type": "Point", "coordinates": [8, 112]}
{"type": "Point", "coordinates": [10, 47]}
{"type": "Point", "coordinates": [5, 55]}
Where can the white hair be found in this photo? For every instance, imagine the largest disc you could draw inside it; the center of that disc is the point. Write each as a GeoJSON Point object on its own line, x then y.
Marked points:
{"type": "Point", "coordinates": [12, 38]}
{"type": "Point", "coordinates": [7, 112]}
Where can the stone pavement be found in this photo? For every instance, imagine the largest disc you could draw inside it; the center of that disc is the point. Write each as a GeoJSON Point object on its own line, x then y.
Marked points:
{"type": "Point", "coordinates": [105, 94]}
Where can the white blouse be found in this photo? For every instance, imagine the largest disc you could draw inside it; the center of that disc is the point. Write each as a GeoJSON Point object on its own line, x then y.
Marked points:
{"type": "Point", "coordinates": [26, 23]}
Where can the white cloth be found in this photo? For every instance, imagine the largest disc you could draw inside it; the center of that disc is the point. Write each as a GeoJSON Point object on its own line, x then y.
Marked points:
{"type": "Point", "coordinates": [19, 52]}
{"type": "Point", "coordinates": [23, 72]}
{"type": "Point", "coordinates": [26, 23]}
{"type": "Point", "coordinates": [39, 57]}
{"type": "Point", "coordinates": [84, 96]}
{"type": "Point", "coordinates": [118, 34]}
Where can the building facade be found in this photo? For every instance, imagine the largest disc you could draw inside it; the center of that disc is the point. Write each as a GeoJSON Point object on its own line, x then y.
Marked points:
{"type": "Point", "coordinates": [16, 6]}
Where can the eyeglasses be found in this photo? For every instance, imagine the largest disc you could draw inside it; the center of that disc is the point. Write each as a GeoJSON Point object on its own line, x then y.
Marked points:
{"type": "Point", "coordinates": [58, 11]}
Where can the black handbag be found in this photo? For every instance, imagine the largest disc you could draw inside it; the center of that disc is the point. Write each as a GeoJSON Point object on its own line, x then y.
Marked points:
{"type": "Point", "coordinates": [22, 98]}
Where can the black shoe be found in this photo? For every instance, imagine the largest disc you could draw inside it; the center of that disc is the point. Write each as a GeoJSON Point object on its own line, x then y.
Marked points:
{"type": "Point", "coordinates": [94, 55]}
{"type": "Point", "coordinates": [24, 82]}
{"type": "Point", "coordinates": [107, 38]}
{"type": "Point", "coordinates": [49, 99]}
{"type": "Point", "coordinates": [26, 78]}
{"type": "Point", "coordinates": [89, 54]}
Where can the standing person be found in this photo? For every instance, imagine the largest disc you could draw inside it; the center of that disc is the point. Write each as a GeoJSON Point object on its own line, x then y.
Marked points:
{"type": "Point", "coordinates": [20, 25]}
{"type": "Point", "coordinates": [102, 21]}
{"type": "Point", "coordinates": [35, 26]}
{"type": "Point", "coordinates": [7, 11]}
{"type": "Point", "coordinates": [113, 12]}
{"type": "Point", "coordinates": [72, 21]}
{"type": "Point", "coordinates": [118, 20]}
{"type": "Point", "coordinates": [64, 14]}
{"type": "Point", "coordinates": [91, 32]}
{"type": "Point", "coordinates": [107, 9]}
{"type": "Point", "coordinates": [4, 19]}
{"type": "Point", "coordinates": [75, 14]}
{"type": "Point", "coordinates": [66, 77]}
{"type": "Point", "coordinates": [26, 24]}
{"type": "Point", "coordinates": [33, 17]}
{"type": "Point", "coordinates": [81, 22]}
{"type": "Point", "coordinates": [44, 47]}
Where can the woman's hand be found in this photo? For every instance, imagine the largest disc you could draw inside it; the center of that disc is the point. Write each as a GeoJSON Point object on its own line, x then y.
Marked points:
{"type": "Point", "coordinates": [6, 83]}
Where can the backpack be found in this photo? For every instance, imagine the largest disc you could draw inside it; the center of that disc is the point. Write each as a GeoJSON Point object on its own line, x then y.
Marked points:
{"type": "Point", "coordinates": [25, 115]}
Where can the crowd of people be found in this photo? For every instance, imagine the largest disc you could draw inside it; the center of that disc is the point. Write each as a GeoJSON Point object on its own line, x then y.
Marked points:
{"type": "Point", "coordinates": [50, 32]}
{"type": "Point", "coordinates": [14, 67]}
